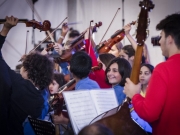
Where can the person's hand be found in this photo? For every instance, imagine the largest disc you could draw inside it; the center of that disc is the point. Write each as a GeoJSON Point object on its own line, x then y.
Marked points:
{"type": "Point", "coordinates": [130, 89]}
{"type": "Point", "coordinates": [58, 48]}
{"type": "Point", "coordinates": [10, 22]}
{"type": "Point", "coordinates": [86, 36]}
{"type": "Point", "coordinates": [65, 29]}
{"type": "Point", "coordinates": [60, 119]}
{"type": "Point", "coordinates": [44, 52]}
{"type": "Point", "coordinates": [127, 28]}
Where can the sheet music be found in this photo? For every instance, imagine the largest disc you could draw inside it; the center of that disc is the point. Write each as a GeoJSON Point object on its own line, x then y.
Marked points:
{"type": "Point", "coordinates": [80, 107]}
{"type": "Point", "coordinates": [104, 100]}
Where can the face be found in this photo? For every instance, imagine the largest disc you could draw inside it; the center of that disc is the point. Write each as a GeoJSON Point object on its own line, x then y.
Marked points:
{"type": "Point", "coordinates": [113, 74]}
{"type": "Point", "coordinates": [24, 73]}
{"type": "Point", "coordinates": [122, 54]}
{"type": "Point", "coordinates": [114, 51]}
{"type": "Point", "coordinates": [144, 75]}
{"type": "Point", "coordinates": [164, 44]}
{"type": "Point", "coordinates": [103, 66]}
{"type": "Point", "coordinates": [53, 87]}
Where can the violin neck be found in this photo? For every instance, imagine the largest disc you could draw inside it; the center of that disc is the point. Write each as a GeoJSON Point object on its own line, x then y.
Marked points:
{"type": "Point", "coordinates": [117, 33]}
{"type": "Point", "coordinates": [19, 21]}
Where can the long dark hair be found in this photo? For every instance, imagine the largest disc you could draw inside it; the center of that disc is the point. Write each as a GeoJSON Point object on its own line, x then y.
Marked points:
{"type": "Point", "coordinates": [124, 69]}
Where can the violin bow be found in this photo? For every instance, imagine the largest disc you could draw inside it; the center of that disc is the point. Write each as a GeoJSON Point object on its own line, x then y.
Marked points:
{"type": "Point", "coordinates": [39, 18]}
{"type": "Point", "coordinates": [26, 41]}
{"type": "Point", "coordinates": [109, 25]}
{"type": "Point", "coordinates": [89, 36]}
{"type": "Point", "coordinates": [48, 36]}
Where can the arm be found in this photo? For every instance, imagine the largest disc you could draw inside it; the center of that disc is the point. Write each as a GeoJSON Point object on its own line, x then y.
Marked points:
{"type": "Point", "coordinates": [65, 30]}
{"type": "Point", "coordinates": [150, 107]}
{"type": "Point", "coordinates": [127, 29]}
{"type": "Point", "coordinates": [98, 75]}
{"type": "Point", "coordinates": [146, 54]}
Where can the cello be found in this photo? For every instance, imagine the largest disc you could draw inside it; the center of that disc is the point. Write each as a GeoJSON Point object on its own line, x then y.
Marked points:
{"type": "Point", "coordinates": [119, 119]}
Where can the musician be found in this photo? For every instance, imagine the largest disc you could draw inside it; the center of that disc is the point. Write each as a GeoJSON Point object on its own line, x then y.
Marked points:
{"type": "Point", "coordinates": [128, 52]}
{"type": "Point", "coordinates": [144, 77]}
{"type": "Point", "coordinates": [161, 105]}
{"type": "Point", "coordinates": [98, 75]}
{"type": "Point", "coordinates": [21, 94]}
{"type": "Point", "coordinates": [105, 59]}
{"type": "Point", "coordinates": [58, 81]}
{"type": "Point", "coordinates": [115, 49]}
{"type": "Point", "coordinates": [116, 73]}
{"type": "Point", "coordinates": [80, 67]}
{"type": "Point", "coordinates": [145, 57]}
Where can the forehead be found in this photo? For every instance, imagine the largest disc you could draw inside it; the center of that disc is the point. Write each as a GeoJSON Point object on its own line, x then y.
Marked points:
{"type": "Point", "coordinates": [144, 68]}
{"type": "Point", "coordinates": [114, 65]}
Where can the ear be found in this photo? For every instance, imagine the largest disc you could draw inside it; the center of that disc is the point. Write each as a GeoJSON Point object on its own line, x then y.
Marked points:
{"type": "Point", "coordinates": [170, 40]}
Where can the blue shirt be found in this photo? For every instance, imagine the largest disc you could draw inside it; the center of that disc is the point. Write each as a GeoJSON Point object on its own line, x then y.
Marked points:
{"type": "Point", "coordinates": [119, 93]}
{"type": "Point", "coordinates": [142, 123]}
{"type": "Point", "coordinates": [27, 127]}
{"type": "Point", "coordinates": [86, 84]}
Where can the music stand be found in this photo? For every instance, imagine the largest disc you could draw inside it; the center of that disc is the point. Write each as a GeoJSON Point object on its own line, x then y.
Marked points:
{"type": "Point", "coordinates": [41, 127]}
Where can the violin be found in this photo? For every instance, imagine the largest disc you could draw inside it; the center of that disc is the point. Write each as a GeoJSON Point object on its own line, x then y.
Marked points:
{"type": "Point", "coordinates": [57, 102]}
{"type": "Point", "coordinates": [75, 45]}
{"type": "Point", "coordinates": [105, 47]}
{"type": "Point", "coordinates": [45, 26]}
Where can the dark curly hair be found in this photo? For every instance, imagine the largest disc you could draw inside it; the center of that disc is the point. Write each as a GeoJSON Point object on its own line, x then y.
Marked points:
{"type": "Point", "coordinates": [59, 78]}
{"type": "Point", "coordinates": [80, 64]}
{"type": "Point", "coordinates": [170, 26]}
{"type": "Point", "coordinates": [39, 69]}
{"type": "Point", "coordinates": [124, 69]}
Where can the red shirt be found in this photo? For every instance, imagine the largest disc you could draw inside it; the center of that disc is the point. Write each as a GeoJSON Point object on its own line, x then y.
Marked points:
{"type": "Point", "coordinates": [98, 75]}
{"type": "Point", "coordinates": [161, 106]}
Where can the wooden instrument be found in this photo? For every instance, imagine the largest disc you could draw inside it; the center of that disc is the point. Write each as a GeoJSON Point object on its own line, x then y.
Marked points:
{"type": "Point", "coordinates": [105, 47]}
{"type": "Point", "coordinates": [45, 26]}
{"type": "Point", "coordinates": [121, 122]}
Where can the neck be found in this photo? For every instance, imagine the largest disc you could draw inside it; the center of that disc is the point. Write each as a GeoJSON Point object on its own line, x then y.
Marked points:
{"type": "Point", "coordinates": [173, 50]}
{"type": "Point", "coordinates": [144, 86]}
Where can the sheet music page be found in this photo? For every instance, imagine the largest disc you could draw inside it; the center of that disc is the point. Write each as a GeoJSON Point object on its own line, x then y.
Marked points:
{"type": "Point", "coordinates": [81, 108]}
{"type": "Point", "coordinates": [104, 100]}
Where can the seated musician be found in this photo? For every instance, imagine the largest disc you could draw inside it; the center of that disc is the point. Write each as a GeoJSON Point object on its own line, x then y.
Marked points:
{"type": "Point", "coordinates": [116, 73]}
{"type": "Point", "coordinates": [128, 52]}
{"type": "Point", "coordinates": [80, 67]}
{"type": "Point", "coordinates": [144, 77]}
{"type": "Point", "coordinates": [116, 49]}
{"type": "Point", "coordinates": [21, 93]}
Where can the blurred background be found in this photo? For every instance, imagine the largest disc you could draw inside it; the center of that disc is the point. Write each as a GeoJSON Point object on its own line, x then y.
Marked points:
{"type": "Point", "coordinates": [81, 11]}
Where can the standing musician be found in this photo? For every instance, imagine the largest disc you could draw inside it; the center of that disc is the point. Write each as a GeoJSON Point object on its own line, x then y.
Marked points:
{"type": "Point", "coordinates": [161, 107]}
{"type": "Point", "coordinates": [20, 94]}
